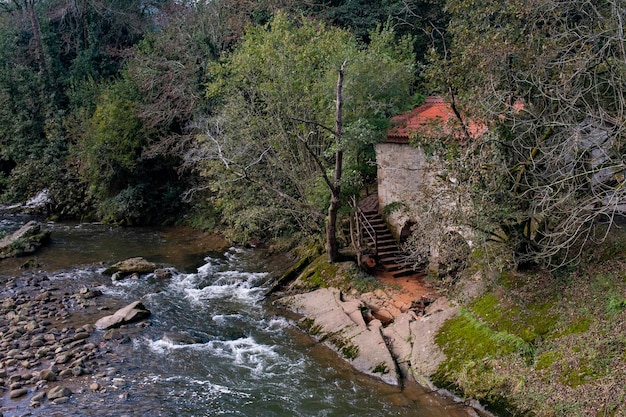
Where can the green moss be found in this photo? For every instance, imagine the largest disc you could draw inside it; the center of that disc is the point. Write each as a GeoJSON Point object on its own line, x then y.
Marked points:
{"type": "Point", "coordinates": [345, 276]}
{"type": "Point", "coordinates": [545, 360]}
{"type": "Point", "coordinates": [529, 322]}
{"type": "Point", "coordinates": [293, 272]}
{"type": "Point", "coordinates": [580, 325]}
{"type": "Point", "coordinates": [318, 274]}
{"type": "Point", "coordinates": [575, 376]}
{"type": "Point", "coordinates": [464, 338]}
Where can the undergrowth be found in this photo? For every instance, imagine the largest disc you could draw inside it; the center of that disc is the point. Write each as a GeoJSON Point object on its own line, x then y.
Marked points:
{"type": "Point", "coordinates": [544, 344]}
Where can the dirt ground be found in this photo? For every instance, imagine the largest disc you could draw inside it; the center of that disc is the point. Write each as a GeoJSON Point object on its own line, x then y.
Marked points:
{"type": "Point", "coordinates": [407, 289]}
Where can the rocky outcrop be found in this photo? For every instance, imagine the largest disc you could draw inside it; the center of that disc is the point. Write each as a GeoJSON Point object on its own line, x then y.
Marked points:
{"type": "Point", "coordinates": [129, 314]}
{"type": "Point", "coordinates": [27, 239]}
{"type": "Point", "coordinates": [339, 323]}
{"type": "Point", "coordinates": [130, 266]}
{"type": "Point", "coordinates": [411, 340]}
{"type": "Point", "coordinates": [403, 347]}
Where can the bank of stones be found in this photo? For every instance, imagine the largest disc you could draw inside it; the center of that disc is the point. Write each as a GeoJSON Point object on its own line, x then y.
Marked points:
{"type": "Point", "coordinates": [49, 349]}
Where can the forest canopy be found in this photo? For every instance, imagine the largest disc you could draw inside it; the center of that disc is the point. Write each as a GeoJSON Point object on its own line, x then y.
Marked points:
{"type": "Point", "coordinates": [224, 114]}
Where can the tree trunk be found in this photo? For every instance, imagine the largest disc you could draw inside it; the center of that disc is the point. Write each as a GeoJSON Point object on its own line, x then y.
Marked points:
{"type": "Point", "coordinates": [332, 246]}
{"type": "Point", "coordinates": [39, 52]}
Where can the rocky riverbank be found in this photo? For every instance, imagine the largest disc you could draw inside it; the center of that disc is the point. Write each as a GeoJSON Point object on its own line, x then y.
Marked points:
{"type": "Point", "coordinates": [50, 349]}
{"type": "Point", "coordinates": [383, 327]}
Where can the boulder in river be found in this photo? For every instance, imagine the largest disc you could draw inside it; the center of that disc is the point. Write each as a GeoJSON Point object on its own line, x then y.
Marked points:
{"type": "Point", "coordinates": [27, 239]}
{"type": "Point", "coordinates": [131, 266]}
{"type": "Point", "coordinates": [131, 313]}
{"type": "Point", "coordinates": [184, 338]}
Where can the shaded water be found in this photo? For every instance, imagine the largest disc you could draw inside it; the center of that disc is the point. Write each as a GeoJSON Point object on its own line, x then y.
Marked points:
{"type": "Point", "coordinates": [215, 347]}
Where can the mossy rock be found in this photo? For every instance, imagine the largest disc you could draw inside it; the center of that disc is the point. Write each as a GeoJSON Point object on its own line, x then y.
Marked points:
{"type": "Point", "coordinates": [24, 241]}
{"type": "Point", "coordinates": [346, 276]}
{"type": "Point", "coordinates": [131, 266]}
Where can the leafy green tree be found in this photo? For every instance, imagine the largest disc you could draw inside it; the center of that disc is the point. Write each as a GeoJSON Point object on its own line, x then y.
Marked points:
{"type": "Point", "coordinates": [51, 48]}
{"type": "Point", "coordinates": [548, 77]}
{"type": "Point", "coordinates": [110, 149]}
{"type": "Point", "coordinates": [295, 97]}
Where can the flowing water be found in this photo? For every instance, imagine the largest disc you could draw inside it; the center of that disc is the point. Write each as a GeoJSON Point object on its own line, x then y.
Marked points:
{"type": "Point", "coordinates": [215, 347]}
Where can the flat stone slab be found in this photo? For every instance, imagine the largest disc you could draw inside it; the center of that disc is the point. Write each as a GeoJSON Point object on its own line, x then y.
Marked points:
{"type": "Point", "coordinates": [340, 325]}
{"type": "Point", "coordinates": [131, 313]}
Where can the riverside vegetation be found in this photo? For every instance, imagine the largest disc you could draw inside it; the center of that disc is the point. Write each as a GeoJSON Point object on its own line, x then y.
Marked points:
{"type": "Point", "coordinates": [540, 344]}
{"type": "Point", "coordinates": [522, 343]}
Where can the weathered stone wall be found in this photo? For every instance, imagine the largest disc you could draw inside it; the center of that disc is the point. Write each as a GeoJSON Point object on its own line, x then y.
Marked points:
{"type": "Point", "coordinates": [403, 170]}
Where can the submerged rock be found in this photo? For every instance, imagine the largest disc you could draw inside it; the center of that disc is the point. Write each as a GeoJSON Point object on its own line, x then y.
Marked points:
{"type": "Point", "coordinates": [184, 338]}
{"type": "Point", "coordinates": [131, 313]}
{"type": "Point", "coordinates": [59, 392]}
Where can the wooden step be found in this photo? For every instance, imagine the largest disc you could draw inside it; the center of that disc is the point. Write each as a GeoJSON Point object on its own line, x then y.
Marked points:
{"type": "Point", "coordinates": [403, 273]}
{"type": "Point", "coordinates": [390, 255]}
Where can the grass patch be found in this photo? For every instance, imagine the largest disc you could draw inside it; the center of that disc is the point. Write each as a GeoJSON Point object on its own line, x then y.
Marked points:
{"type": "Point", "coordinates": [381, 368]}
{"type": "Point", "coordinates": [308, 325]}
{"type": "Point", "coordinates": [615, 304]}
{"type": "Point", "coordinates": [547, 359]}
{"type": "Point", "coordinates": [343, 344]}
{"type": "Point", "coordinates": [580, 325]}
{"type": "Point", "coordinates": [363, 282]}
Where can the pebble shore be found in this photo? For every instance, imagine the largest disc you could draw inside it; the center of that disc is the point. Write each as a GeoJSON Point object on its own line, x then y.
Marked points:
{"type": "Point", "coordinates": [50, 352]}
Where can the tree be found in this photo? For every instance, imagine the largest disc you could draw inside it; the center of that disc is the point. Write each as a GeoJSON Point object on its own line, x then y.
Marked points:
{"type": "Point", "coordinates": [168, 67]}
{"type": "Point", "coordinates": [548, 77]}
{"type": "Point", "coordinates": [288, 122]}
{"type": "Point", "coordinates": [53, 53]}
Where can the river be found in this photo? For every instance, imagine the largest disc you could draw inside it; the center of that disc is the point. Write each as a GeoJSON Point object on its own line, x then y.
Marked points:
{"type": "Point", "coordinates": [245, 358]}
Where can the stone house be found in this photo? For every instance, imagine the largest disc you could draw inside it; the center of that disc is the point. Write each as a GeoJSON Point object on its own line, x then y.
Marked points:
{"type": "Point", "coordinates": [405, 171]}
{"type": "Point", "coordinates": [415, 190]}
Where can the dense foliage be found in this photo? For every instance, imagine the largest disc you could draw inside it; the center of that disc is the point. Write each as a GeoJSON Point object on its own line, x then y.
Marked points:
{"type": "Point", "coordinates": [548, 77]}
{"type": "Point", "coordinates": [111, 106]}
{"type": "Point", "coordinates": [275, 134]}
{"type": "Point", "coordinates": [102, 101]}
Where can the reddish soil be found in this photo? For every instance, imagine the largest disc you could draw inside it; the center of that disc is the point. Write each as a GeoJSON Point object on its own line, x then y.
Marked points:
{"type": "Point", "coordinates": [407, 289]}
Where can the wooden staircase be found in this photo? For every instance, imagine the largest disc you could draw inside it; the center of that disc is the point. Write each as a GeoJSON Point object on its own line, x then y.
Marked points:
{"type": "Point", "coordinates": [377, 237]}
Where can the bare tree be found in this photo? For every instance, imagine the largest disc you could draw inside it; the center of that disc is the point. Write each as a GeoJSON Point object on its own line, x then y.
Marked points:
{"type": "Point", "coordinates": [548, 76]}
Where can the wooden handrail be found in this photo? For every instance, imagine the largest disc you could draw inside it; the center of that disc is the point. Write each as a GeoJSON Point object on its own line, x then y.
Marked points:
{"type": "Point", "coordinates": [367, 226]}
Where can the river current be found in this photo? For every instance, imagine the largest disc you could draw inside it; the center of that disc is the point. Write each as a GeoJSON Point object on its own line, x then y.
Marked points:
{"type": "Point", "coordinates": [215, 346]}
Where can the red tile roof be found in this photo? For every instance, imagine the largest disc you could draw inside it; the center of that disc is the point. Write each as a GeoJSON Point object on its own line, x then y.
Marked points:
{"type": "Point", "coordinates": [435, 117]}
